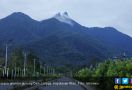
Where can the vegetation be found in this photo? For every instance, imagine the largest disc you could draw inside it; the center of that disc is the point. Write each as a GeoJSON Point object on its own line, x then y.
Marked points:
{"type": "Point", "coordinates": [104, 73]}
{"type": "Point", "coordinates": [23, 64]}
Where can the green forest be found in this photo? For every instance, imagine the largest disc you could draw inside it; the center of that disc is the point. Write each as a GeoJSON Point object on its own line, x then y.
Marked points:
{"type": "Point", "coordinates": [102, 72]}
{"type": "Point", "coordinates": [105, 72]}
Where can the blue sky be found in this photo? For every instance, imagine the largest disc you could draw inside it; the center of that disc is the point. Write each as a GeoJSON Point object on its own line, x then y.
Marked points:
{"type": "Point", "coordinates": [90, 13]}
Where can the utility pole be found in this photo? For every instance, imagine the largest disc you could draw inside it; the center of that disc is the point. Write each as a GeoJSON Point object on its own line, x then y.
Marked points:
{"type": "Point", "coordinates": [24, 67]}
{"type": "Point", "coordinates": [6, 58]}
{"type": "Point", "coordinates": [6, 70]}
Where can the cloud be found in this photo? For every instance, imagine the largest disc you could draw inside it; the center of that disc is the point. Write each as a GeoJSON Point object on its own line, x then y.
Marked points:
{"type": "Point", "coordinates": [116, 13]}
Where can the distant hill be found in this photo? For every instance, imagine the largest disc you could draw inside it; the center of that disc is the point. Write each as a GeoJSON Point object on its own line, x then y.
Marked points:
{"type": "Point", "coordinates": [62, 41]}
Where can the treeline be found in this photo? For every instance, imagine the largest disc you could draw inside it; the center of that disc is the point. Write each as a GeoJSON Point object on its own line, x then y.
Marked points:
{"type": "Point", "coordinates": [23, 64]}
{"type": "Point", "coordinates": [105, 72]}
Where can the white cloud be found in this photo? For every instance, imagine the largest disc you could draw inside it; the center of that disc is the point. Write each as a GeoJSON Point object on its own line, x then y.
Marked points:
{"type": "Point", "coordinates": [116, 13]}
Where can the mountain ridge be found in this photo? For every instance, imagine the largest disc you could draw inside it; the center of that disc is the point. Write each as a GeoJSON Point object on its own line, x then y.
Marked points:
{"type": "Point", "coordinates": [61, 42]}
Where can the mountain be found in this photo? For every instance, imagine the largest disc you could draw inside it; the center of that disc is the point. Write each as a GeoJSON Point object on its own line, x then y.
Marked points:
{"type": "Point", "coordinates": [18, 27]}
{"type": "Point", "coordinates": [62, 41]}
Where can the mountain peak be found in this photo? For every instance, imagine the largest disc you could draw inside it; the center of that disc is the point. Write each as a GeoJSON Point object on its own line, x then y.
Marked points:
{"type": "Point", "coordinates": [20, 13]}
{"type": "Point", "coordinates": [19, 16]}
{"type": "Point", "coordinates": [65, 14]}
{"type": "Point", "coordinates": [63, 17]}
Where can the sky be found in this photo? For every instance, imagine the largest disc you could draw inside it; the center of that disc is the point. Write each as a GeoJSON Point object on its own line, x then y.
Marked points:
{"type": "Point", "coordinates": [89, 13]}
